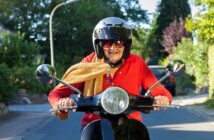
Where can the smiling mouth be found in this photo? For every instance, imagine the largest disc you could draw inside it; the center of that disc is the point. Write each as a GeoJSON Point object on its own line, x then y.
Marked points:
{"type": "Point", "coordinates": [113, 53]}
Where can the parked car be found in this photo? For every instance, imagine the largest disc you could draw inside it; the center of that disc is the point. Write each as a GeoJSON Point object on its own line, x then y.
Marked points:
{"type": "Point", "coordinates": [168, 83]}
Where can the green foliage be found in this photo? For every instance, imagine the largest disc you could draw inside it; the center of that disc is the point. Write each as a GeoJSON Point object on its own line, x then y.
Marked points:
{"type": "Point", "coordinates": [73, 25]}
{"type": "Point", "coordinates": [165, 61]}
{"type": "Point", "coordinates": [29, 17]}
{"type": "Point", "coordinates": [182, 82]}
{"type": "Point", "coordinates": [203, 25]}
{"type": "Point", "coordinates": [203, 21]}
{"type": "Point", "coordinates": [138, 43]}
{"type": "Point", "coordinates": [132, 11]}
{"type": "Point", "coordinates": [168, 11]}
{"type": "Point", "coordinates": [171, 10]}
{"type": "Point", "coordinates": [18, 70]}
{"type": "Point", "coordinates": [211, 70]}
{"type": "Point", "coordinates": [152, 43]}
{"type": "Point", "coordinates": [136, 47]}
{"type": "Point", "coordinates": [24, 78]}
{"type": "Point", "coordinates": [73, 36]}
{"type": "Point", "coordinates": [15, 50]}
{"type": "Point", "coordinates": [210, 103]}
{"type": "Point", "coordinates": [7, 87]}
{"type": "Point", "coordinates": [196, 60]}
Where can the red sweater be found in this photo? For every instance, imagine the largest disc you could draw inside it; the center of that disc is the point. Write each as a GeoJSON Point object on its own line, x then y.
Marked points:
{"type": "Point", "coordinates": [131, 75]}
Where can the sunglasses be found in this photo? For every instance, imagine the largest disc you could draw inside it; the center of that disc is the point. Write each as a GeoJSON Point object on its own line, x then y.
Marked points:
{"type": "Point", "coordinates": [109, 43]}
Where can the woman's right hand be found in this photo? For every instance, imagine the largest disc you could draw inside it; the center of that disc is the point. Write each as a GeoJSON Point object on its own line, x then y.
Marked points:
{"type": "Point", "coordinates": [65, 102]}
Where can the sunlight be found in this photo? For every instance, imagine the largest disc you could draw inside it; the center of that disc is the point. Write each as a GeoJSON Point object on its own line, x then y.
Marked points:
{"type": "Point", "coordinates": [201, 126]}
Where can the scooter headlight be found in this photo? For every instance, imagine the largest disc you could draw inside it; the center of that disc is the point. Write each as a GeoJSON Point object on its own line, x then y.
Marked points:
{"type": "Point", "coordinates": [115, 100]}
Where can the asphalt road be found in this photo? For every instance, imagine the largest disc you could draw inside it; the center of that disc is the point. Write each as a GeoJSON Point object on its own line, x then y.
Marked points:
{"type": "Point", "coordinates": [176, 124]}
{"type": "Point", "coordinates": [36, 123]}
{"type": "Point", "coordinates": [181, 124]}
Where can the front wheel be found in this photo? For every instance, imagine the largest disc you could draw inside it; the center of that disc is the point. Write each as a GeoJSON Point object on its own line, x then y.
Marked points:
{"type": "Point", "coordinates": [131, 130]}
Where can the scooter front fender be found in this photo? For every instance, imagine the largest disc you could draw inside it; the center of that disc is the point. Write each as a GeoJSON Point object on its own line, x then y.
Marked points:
{"type": "Point", "coordinates": [98, 130]}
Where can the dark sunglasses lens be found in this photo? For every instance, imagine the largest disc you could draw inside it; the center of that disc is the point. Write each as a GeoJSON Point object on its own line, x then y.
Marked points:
{"type": "Point", "coordinates": [108, 43]}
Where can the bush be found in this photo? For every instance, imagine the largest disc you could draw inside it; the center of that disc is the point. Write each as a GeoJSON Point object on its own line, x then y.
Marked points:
{"type": "Point", "coordinates": [15, 50]}
{"type": "Point", "coordinates": [210, 103]}
{"type": "Point", "coordinates": [7, 87]}
{"type": "Point", "coordinates": [183, 82]}
{"type": "Point", "coordinates": [196, 60]}
{"type": "Point", "coordinates": [211, 71]}
{"type": "Point", "coordinates": [24, 78]}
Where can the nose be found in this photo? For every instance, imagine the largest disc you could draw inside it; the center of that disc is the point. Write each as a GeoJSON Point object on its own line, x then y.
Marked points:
{"type": "Point", "coordinates": [112, 46]}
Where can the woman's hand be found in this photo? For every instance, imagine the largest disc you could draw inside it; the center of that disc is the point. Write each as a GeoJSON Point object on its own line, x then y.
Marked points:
{"type": "Point", "coordinates": [161, 100]}
{"type": "Point", "coordinates": [65, 102]}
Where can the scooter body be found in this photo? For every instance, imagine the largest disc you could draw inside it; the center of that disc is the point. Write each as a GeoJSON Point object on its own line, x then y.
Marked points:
{"type": "Point", "coordinates": [113, 105]}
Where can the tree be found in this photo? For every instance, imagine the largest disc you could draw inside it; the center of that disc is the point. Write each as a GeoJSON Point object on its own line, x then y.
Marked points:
{"type": "Point", "coordinates": [137, 42]}
{"type": "Point", "coordinates": [76, 31]}
{"type": "Point", "coordinates": [173, 34]}
{"type": "Point", "coordinates": [15, 50]}
{"type": "Point", "coordinates": [168, 11]}
{"type": "Point", "coordinates": [196, 59]}
{"type": "Point", "coordinates": [7, 87]}
{"type": "Point", "coordinates": [72, 24]}
{"type": "Point", "coordinates": [202, 23]}
{"type": "Point", "coordinates": [131, 11]}
{"type": "Point", "coordinates": [29, 17]}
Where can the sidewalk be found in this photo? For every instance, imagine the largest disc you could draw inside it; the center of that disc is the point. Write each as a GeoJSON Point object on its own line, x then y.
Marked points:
{"type": "Point", "coordinates": [192, 102]}
{"type": "Point", "coordinates": [190, 99]}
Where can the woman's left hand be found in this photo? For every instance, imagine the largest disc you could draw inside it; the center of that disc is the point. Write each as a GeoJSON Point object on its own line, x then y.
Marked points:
{"type": "Point", "coordinates": [161, 100]}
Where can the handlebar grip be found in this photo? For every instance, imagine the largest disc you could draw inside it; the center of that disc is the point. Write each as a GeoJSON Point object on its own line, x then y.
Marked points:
{"type": "Point", "coordinates": [63, 108]}
{"type": "Point", "coordinates": [167, 106]}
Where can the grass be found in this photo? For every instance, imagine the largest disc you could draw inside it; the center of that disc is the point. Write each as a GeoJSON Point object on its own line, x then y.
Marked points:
{"type": "Point", "coordinates": [209, 103]}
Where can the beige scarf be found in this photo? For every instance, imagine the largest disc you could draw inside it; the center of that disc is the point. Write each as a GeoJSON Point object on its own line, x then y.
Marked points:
{"type": "Point", "coordinates": [89, 73]}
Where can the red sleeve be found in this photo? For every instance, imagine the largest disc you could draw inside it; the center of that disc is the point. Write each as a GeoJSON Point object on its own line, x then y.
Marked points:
{"type": "Point", "coordinates": [61, 92]}
{"type": "Point", "coordinates": [148, 79]}
{"type": "Point", "coordinates": [64, 91]}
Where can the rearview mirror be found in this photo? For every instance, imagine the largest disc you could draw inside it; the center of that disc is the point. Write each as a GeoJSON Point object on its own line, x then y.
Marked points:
{"type": "Point", "coordinates": [45, 73]}
{"type": "Point", "coordinates": [175, 68]}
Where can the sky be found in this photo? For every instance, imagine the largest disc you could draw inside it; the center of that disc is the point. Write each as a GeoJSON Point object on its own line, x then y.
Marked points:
{"type": "Point", "coordinates": [149, 5]}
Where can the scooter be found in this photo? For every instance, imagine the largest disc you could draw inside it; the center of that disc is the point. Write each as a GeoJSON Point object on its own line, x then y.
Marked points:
{"type": "Point", "coordinates": [113, 105]}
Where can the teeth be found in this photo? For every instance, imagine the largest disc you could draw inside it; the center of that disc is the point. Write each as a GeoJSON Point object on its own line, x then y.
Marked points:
{"type": "Point", "coordinates": [112, 52]}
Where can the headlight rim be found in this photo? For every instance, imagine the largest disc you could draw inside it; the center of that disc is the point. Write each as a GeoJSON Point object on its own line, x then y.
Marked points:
{"type": "Point", "coordinates": [124, 93]}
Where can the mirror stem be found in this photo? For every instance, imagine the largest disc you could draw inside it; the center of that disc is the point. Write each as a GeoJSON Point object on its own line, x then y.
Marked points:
{"type": "Point", "coordinates": [71, 87]}
{"type": "Point", "coordinates": [159, 81]}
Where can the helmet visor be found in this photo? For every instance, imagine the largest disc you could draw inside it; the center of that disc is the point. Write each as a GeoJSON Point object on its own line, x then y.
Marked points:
{"type": "Point", "coordinates": [112, 33]}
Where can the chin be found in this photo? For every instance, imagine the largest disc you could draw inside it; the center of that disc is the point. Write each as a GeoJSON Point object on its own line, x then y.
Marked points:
{"type": "Point", "coordinates": [114, 61]}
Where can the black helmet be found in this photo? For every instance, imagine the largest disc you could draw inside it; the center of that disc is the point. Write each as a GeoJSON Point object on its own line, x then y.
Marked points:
{"type": "Point", "coordinates": [112, 28]}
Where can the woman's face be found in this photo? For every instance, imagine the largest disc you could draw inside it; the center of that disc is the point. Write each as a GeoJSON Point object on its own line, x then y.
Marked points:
{"type": "Point", "coordinates": [113, 50]}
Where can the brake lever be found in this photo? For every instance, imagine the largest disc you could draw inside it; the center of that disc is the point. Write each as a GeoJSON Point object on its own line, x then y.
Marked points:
{"type": "Point", "coordinates": [160, 105]}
